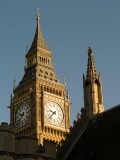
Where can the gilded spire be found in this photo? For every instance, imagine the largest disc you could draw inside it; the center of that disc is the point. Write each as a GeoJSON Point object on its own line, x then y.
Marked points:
{"type": "Point", "coordinates": [38, 41]}
{"type": "Point", "coordinates": [91, 71]}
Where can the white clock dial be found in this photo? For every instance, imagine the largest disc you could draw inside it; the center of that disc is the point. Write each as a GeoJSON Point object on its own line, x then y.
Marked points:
{"type": "Point", "coordinates": [22, 115]}
{"type": "Point", "coordinates": [54, 113]}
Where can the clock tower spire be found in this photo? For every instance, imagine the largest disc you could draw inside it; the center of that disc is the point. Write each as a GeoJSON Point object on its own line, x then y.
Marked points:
{"type": "Point", "coordinates": [40, 106]}
{"type": "Point", "coordinates": [38, 41]}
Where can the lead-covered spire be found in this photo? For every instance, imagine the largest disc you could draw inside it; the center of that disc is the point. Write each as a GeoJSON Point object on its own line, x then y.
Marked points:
{"type": "Point", "coordinates": [91, 71]}
{"type": "Point", "coordinates": [38, 41]}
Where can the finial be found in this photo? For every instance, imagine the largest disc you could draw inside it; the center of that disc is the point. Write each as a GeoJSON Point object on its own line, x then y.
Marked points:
{"type": "Point", "coordinates": [11, 97]}
{"type": "Point", "coordinates": [14, 83]}
{"type": "Point", "coordinates": [26, 51]}
{"type": "Point", "coordinates": [90, 50]}
{"type": "Point", "coordinates": [26, 48]}
{"type": "Point", "coordinates": [78, 116]}
{"type": "Point", "coordinates": [64, 81]}
{"type": "Point", "coordinates": [38, 14]}
{"type": "Point", "coordinates": [67, 95]}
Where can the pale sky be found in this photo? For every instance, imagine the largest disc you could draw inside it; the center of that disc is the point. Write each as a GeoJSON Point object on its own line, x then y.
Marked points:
{"type": "Point", "coordinates": [69, 27]}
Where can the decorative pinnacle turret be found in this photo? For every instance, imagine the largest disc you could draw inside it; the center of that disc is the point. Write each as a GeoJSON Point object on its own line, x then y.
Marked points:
{"type": "Point", "coordinates": [91, 71]}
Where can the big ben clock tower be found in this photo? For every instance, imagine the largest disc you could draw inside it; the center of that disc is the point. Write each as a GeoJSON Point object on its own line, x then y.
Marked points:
{"type": "Point", "coordinates": [40, 106]}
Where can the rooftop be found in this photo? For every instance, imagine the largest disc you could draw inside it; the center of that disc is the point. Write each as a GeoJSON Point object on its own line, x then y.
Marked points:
{"type": "Point", "coordinates": [101, 140]}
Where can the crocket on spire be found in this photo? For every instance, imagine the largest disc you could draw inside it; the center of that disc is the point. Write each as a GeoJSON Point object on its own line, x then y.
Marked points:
{"type": "Point", "coordinates": [91, 71]}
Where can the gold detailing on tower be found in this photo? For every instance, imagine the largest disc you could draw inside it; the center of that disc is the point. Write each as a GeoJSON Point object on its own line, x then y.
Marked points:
{"type": "Point", "coordinates": [54, 135]}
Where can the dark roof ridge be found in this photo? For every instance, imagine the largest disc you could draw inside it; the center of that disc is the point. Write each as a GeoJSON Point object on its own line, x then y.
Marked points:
{"type": "Point", "coordinates": [110, 109]}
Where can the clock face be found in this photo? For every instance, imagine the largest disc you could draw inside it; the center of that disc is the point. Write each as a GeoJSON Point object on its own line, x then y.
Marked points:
{"type": "Point", "coordinates": [53, 113]}
{"type": "Point", "coordinates": [22, 115]}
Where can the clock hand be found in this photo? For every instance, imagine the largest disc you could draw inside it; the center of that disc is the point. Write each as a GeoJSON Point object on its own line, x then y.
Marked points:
{"type": "Point", "coordinates": [21, 115]}
{"type": "Point", "coordinates": [52, 114]}
{"type": "Point", "coordinates": [51, 111]}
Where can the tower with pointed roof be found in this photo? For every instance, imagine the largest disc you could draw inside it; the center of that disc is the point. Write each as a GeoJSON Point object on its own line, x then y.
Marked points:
{"type": "Point", "coordinates": [92, 86]}
{"type": "Point", "coordinates": [40, 106]}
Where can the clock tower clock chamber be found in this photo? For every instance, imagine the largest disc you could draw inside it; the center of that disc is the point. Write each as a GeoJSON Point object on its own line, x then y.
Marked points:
{"type": "Point", "coordinates": [40, 107]}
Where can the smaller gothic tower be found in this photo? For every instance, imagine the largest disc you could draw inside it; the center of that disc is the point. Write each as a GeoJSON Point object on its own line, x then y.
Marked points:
{"type": "Point", "coordinates": [92, 86]}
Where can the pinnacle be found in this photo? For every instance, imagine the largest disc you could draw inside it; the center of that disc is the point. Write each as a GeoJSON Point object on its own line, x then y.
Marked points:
{"type": "Point", "coordinates": [91, 71]}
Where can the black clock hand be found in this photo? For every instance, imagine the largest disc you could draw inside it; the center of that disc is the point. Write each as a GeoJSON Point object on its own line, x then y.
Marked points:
{"type": "Point", "coordinates": [51, 111]}
{"type": "Point", "coordinates": [52, 114]}
{"type": "Point", "coordinates": [21, 115]}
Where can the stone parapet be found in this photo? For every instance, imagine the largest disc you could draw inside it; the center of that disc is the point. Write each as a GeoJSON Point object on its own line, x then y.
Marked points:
{"type": "Point", "coordinates": [7, 142]}
{"type": "Point", "coordinates": [26, 145]}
